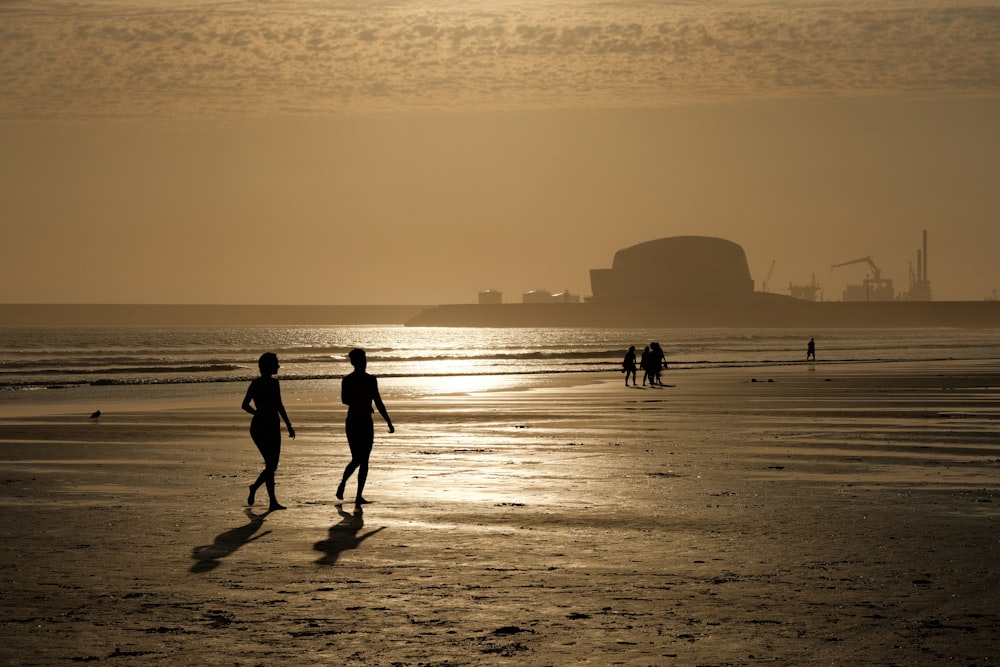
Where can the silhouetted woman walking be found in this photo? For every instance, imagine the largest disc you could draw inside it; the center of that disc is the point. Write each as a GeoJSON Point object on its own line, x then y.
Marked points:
{"type": "Point", "coordinates": [358, 390]}
{"type": "Point", "coordinates": [265, 427]}
{"type": "Point", "coordinates": [628, 365]}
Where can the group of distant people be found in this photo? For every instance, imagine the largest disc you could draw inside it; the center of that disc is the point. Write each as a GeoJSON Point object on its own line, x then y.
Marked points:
{"type": "Point", "coordinates": [652, 361]}
{"type": "Point", "coordinates": [358, 391]}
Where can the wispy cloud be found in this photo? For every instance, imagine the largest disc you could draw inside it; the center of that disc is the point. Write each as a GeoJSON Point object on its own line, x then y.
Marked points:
{"type": "Point", "coordinates": [136, 59]}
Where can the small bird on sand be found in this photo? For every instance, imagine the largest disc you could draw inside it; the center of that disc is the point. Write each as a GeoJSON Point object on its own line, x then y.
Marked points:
{"type": "Point", "coordinates": [96, 415]}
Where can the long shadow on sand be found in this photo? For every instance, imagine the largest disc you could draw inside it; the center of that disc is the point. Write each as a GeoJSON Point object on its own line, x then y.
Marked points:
{"type": "Point", "coordinates": [209, 556]}
{"type": "Point", "coordinates": [343, 535]}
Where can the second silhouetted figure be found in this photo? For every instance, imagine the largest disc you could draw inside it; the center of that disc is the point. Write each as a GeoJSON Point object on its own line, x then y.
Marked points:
{"type": "Point", "coordinates": [358, 391]}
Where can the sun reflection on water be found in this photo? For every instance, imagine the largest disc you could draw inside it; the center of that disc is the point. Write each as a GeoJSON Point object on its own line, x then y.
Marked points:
{"type": "Point", "coordinates": [458, 384]}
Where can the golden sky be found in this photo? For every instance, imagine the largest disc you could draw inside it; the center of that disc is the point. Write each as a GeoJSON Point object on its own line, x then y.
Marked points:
{"type": "Point", "coordinates": [312, 152]}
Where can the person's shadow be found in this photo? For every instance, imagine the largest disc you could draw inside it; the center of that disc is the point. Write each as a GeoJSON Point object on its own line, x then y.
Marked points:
{"type": "Point", "coordinates": [343, 535]}
{"type": "Point", "coordinates": [208, 556]}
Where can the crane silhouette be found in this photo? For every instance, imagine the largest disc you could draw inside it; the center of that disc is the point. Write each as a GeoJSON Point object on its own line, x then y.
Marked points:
{"type": "Point", "coordinates": [876, 272]}
{"type": "Point", "coordinates": [874, 288]}
{"type": "Point", "coordinates": [763, 285]}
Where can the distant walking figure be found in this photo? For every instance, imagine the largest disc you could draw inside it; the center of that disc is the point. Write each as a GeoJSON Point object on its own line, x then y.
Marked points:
{"type": "Point", "coordinates": [358, 390]}
{"type": "Point", "coordinates": [628, 365]}
{"type": "Point", "coordinates": [657, 362]}
{"type": "Point", "coordinates": [811, 350]}
{"type": "Point", "coordinates": [644, 361]}
{"type": "Point", "coordinates": [265, 427]}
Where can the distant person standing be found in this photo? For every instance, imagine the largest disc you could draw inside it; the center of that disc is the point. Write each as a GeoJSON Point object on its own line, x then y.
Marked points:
{"type": "Point", "coordinates": [264, 394]}
{"type": "Point", "coordinates": [645, 359]}
{"type": "Point", "coordinates": [358, 390]}
{"type": "Point", "coordinates": [811, 350]}
{"type": "Point", "coordinates": [628, 365]}
{"type": "Point", "coordinates": [657, 362]}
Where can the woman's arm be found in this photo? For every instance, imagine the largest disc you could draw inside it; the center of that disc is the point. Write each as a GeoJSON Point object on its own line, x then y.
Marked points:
{"type": "Point", "coordinates": [281, 411]}
{"type": "Point", "coordinates": [246, 400]}
{"type": "Point", "coordinates": [345, 390]}
{"type": "Point", "coordinates": [380, 406]}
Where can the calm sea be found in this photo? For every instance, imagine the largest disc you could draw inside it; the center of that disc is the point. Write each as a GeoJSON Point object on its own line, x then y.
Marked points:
{"type": "Point", "coordinates": [52, 364]}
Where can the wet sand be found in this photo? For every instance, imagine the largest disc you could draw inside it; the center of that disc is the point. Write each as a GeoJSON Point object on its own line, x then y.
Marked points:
{"type": "Point", "coordinates": [831, 515]}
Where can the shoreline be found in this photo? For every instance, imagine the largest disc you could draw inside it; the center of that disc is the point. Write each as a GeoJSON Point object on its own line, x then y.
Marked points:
{"type": "Point", "coordinates": [198, 390]}
{"type": "Point", "coordinates": [842, 514]}
{"type": "Point", "coordinates": [755, 310]}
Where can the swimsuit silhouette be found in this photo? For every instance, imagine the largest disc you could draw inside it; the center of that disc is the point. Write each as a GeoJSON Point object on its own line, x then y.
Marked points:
{"type": "Point", "coordinates": [358, 391]}
{"type": "Point", "coordinates": [264, 394]}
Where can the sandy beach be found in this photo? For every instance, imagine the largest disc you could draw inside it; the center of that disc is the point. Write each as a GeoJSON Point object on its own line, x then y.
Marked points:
{"type": "Point", "coordinates": [800, 515]}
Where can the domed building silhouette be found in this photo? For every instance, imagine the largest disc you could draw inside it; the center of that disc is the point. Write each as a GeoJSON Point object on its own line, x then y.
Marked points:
{"type": "Point", "coordinates": [677, 267]}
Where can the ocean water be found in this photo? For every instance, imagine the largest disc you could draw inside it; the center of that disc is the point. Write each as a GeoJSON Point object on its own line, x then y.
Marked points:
{"type": "Point", "coordinates": [52, 364]}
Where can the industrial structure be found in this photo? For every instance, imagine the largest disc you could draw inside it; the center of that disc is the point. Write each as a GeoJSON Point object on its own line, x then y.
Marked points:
{"type": "Point", "coordinates": [689, 267]}
{"type": "Point", "coordinates": [490, 296]}
{"type": "Point", "coordinates": [876, 288]}
{"type": "Point", "coordinates": [920, 285]}
{"type": "Point", "coordinates": [811, 292]}
{"type": "Point", "coordinates": [545, 296]}
{"type": "Point", "coordinates": [765, 284]}
{"type": "Point", "coordinates": [699, 281]}
{"type": "Point", "coordinates": [698, 267]}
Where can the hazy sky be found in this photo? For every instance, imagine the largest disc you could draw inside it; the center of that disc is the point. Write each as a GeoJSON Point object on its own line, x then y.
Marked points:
{"type": "Point", "coordinates": [352, 152]}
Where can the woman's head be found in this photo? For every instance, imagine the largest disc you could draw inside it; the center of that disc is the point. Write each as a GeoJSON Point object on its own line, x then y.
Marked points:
{"type": "Point", "coordinates": [358, 358]}
{"type": "Point", "coordinates": [268, 363]}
